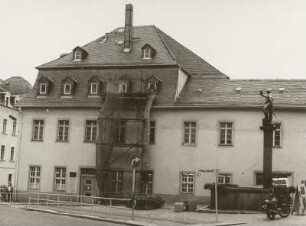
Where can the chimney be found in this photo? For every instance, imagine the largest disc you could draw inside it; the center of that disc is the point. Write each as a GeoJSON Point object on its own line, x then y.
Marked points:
{"type": "Point", "coordinates": [128, 29]}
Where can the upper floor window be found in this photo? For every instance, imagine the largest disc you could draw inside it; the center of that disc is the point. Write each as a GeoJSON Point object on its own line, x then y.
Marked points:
{"type": "Point", "coordinates": [152, 132]}
{"type": "Point", "coordinates": [190, 133]}
{"type": "Point", "coordinates": [4, 125]}
{"type": "Point", "coordinates": [123, 87]}
{"type": "Point", "coordinates": [60, 178]}
{"type": "Point", "coordinates": [91, 130]}
{"type": "Point", "coordinates": [38, 130]}
{"type": "Point", "coordinates": [94, 88]}
{"type": "Point", "coordinates": [63, 130]}
{"type": "Point", "coordinates": [14, 127]}
{"type": "Point", "coordinates": [44, 86]}
{"type": "Point", "coordinates": [120, 132]}
{"type": "Point", "coordinates": [12, 154]}
{"type": "Point", "coordinates": [68, 86]}
{"type": "Point", "coordinates": [34, 177]}
{"type": "Point", "coordinates": [277, 135]}
{"type": "Point", "coordinates": [226, 133]}
{"type": "Point", "coordinates": [2, 152]}
{"type": "Point", "coordinates": [187, 182]}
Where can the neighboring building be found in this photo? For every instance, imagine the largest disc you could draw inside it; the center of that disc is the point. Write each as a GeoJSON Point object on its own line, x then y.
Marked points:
{"type": "Point", "coordinates": [11, 91]}
{"type": "Point", "coordinates": [155, 98]}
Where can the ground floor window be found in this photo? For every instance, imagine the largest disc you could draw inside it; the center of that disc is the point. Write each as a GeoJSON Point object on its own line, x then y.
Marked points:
{"type": "Point", "coordinates": [34, 177]}
{"type": "Point", "coordinates": [117, 181]}
{"type": "Point", "coordinates": [225, 178]}
{"type": "Point", "coordinates": [187, 182]}
{"type": "Point", "coordinates": [147, 182]}
{"type": "Point", "coordinates": [277, 177]}
{"type": "Point", "coordinates": [60, 178]}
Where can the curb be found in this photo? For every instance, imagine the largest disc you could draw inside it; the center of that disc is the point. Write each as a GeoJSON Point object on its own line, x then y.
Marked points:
{"type": "Point", "coordinates": [90, 217]}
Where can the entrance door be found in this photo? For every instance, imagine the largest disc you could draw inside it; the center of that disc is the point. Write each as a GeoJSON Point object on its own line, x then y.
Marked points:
{"type": "Point", "coordinates": [88, 185]}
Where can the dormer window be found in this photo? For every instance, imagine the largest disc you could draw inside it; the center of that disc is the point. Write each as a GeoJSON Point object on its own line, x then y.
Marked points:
{"type": "Point", "coordinates": [44, 86]}
{"type": "Point", "coordinates": [148, 52]}
{"type": "Point", "coordinates": [153, 84]}
{"type": "Point", "coordinates": [79, 54]}
{"type": "Point", "coordinates": [94, 88]}
{"type": "Point", "coordinates": [68, 86]}
{"type": "Point", "coordinates": [67, 89]}
{"type": "Point", "coordinates": [123, 87]}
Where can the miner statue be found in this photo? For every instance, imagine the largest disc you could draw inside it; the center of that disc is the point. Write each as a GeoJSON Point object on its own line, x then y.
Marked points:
{"type": "Point", "coordinates": [268, 108]}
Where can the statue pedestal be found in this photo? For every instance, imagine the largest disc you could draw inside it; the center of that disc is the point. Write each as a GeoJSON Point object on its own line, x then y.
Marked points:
{"type": "Point", "coordinates": [267, 127]}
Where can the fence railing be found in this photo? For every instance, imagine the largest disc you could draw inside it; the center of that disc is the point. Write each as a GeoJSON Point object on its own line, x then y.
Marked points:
{"type": "Point", "coordinates": [65, 200]}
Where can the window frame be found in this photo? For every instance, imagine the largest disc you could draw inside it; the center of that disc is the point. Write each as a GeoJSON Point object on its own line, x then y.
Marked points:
{"type": "Point", "coordinates": [70, 89]}
{"type": "Point", "coordinates": [120, 135]}
{"type": "Point", "coordinates": [152, 132]}
{"type": "Point", "coordinates": [224, 176]}
{"type": "Point", "coordinates": [40, 128]}
{"type": "Point", "coordinates": [62, 186]}
{"type": "Point", "coordinates": [77, 56]}
{"type": "Point", "coordinates": [12, 155]}
{"type": "Point", "coordinates": [123, 87]}
{"type": "Point", "coordinates": [14, 129]}
{"type": "Point", "coordinates": [2, 153]}
{"type": "Point", "coordinates": [91, 127]}
{"type": "Point", "coordinates": [4, 126]}
{"type": "Point", "coordinates": [97, 88]}
{"type": "Point", "coordinates": [118, 181]}
{"type": "Point", "coordinates": [35, 177]}
{"type": "Point", "coordinates": [43, 84]}
{"type": "Point", "coordinates": [148, 185]}
{"type": "Point", "coordinates": [147, 53]}
{"type": "Point", "coordinates": [226, 129]}
{"type": "Point", "coordinates": [65, 133]}
{"type": "Point", "coordinates": [277, 133]}
{"type": "Point", "coordinates": [190, 128]}
{"type": "Point", "coordinates": [187, 182]}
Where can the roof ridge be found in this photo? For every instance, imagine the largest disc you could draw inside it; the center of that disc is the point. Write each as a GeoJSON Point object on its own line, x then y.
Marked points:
{"type": "Point", "coordinates": [165, 44]}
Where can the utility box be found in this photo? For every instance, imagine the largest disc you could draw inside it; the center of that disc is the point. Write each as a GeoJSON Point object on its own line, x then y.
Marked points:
{"type": "Point", "coordinates": [179, 207]}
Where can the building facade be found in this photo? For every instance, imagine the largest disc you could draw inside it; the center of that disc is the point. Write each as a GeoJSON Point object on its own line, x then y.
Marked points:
{"type": "Point", "coordinates": [137, 91]}
{"type": "Point", "coordinates": [11, 91]}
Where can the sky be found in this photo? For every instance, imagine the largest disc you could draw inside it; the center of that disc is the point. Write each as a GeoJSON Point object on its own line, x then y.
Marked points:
{"type": "Point", "coordinates": [245, 39]}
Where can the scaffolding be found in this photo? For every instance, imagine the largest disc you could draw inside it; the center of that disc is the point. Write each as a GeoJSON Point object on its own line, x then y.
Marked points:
{"type": "Point", "coordinates": [120, 111]}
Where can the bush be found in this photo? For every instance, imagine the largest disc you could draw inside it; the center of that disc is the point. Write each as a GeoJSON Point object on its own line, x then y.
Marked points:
{"type": "Point", "coordinates": [147, 202]}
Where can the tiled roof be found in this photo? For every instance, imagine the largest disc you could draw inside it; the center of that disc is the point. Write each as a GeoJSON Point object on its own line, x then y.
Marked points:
{"type": "Point", "coordinates": [16, 85]}
{"type": "Point", "coordinates": [242, 93]}
{"type": "Point", "coordinates": [110, 53]}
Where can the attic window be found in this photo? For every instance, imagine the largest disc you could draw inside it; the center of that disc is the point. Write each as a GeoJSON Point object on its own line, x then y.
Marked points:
{"type": "Point", "coordinates": [67, 89]}
{"type": "Point", "coordinates": [43, 88]}
{"type": "Point", "coordinates": [94, 88]}
{"type": "Point", "coordinates": [77, 56]}
{"type": "Point", "coordinates": [147, 54]}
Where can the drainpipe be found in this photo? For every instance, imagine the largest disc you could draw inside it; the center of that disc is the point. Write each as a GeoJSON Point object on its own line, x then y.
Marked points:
{"type": "Point", "coordinates": [19, 136]}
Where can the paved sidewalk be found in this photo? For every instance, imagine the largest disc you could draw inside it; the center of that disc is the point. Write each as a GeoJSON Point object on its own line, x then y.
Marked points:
{"type": "Point", "coordinates": [162, 217]}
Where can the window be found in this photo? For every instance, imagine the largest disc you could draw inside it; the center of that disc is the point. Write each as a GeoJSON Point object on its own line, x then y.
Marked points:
{"type": "Point", "coordinates": [60, 178]}
{"type": "Point", "coordinates": [12, 154]}
{"type": "Point", "coordinates": [14, 127]}
{"type": "Point", "coordinates": [147, 53]}
{"type": "Point", "coordinates": [226, 133]}
{"type": "Point", "coordinates": [190, 132]}
{"type": "Point", "coordinates": [38, 130]}
{"type": "Point", "coordinates": [67, 89]}
{"type": "Point", "coordinates": [120, 132]}
{"type": "Point", "coordinates": [116, 181]}
{"type": "Point", "coordinates": [91, 130]}
{"type": "Point", "coordinates": [276, 177]}
{"type": "Point", "coordinates": [277, 135]}
{"type": "Point", "coordinates": [34, 178]}
{"type": "Point", "coordinates": [2, 152]}
{"type": "Point", "coordinates": [123, 87]}
{"type": "Point", "coordinates": [43, 88]}
{"type": "Point", "coordinates": [63, 130]}
{"type": "Point", "coordinates": [9, 178]}
{"type": "Point", "coordinates": [187, 184]}
{"type": "Point", "coordinates": [77, 56]}
{"type": "Point", "coordinates": [94, 88]}
{"type": "Point", "coordinates": [224, 178]}
{"type": "Point", "coordinates": [152, 132]}
{"type": "Point", "coordinates": [4, 126]}
{"type": "Point", "coordinates": [147, 182]}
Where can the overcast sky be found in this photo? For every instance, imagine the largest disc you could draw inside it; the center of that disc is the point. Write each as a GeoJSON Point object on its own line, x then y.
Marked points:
{"type": "Point", "coordinates": [245, 39]}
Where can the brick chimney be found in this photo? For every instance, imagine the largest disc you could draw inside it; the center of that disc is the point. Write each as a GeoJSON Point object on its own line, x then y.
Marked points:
{"type": "Point", "coordinates": [128, 29]}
